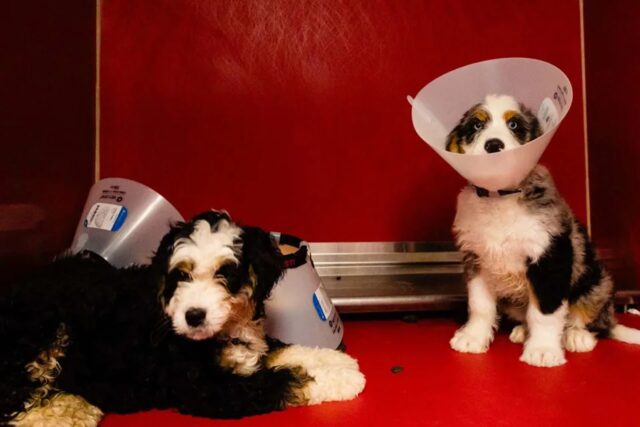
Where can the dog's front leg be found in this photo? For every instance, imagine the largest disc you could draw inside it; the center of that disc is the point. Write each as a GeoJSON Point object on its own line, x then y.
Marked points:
{"type": "Point", "coordinates": [476, 335]}
{"type": "Point", "coordinates": [550, 278]}
{"type": "Point", "coordinates": [544, 344]}
{"type": "Point", "coordinates": [233, 396]}
{"type": "Point", "coordinates": [243, 357]}
{"type": "Point", "coordinates": [335, 375]}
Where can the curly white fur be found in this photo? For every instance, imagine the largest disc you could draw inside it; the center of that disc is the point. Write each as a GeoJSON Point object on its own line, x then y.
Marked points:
{"type": "Point", "coordinates": [336, 375]}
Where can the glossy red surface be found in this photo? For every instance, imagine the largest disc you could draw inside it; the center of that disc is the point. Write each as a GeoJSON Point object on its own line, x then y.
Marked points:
{"type": "Point", "coordinates": [612, 37]}
{"type": "Point", "coordinates": [46, 127]}
{"type": "Point", "coordinates": [439, 387]}
{"type": "Point", "coordinates": [293, 114]}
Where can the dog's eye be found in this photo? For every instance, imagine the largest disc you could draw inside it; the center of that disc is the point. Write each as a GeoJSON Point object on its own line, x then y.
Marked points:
{"type": "Point", "coordinates": [512, 124]}
{"type": "Point", "coordinates": [180, 276]}
{"type": "Point", "coordinates": [225, 271]}
{"type": "Point", "coordinates": [477, 125]}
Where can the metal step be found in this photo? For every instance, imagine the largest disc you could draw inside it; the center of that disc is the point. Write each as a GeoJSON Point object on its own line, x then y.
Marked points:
{"type": "Point", "coordinates": [390, 276]}
{"type": "Point", "coordinates": [400, 276]}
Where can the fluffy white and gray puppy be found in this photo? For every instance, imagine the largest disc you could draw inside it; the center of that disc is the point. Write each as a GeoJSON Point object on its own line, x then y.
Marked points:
{"type": "Point", "coordinates": [525, 254]}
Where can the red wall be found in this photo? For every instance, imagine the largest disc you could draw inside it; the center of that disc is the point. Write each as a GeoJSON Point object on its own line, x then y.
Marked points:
{"type": "Point", "coordinates": [612, 37]}
{"type": "Point", "coordinates": [46, 127]}
{"type": "Point", "coordinates": [292, 114]}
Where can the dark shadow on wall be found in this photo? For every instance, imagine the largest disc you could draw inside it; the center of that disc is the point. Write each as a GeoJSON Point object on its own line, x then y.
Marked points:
{"type": "Point", "coordinates": [612, 44]}
{"type": "Point", "coordinates": [47, 127]}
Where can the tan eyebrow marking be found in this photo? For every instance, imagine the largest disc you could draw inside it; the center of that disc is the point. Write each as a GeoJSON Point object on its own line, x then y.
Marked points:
{"type": "Point", "coordinates": [186, 265]}
{"type": "Point", "coordinates": [481, 114]}
{"type": "Point", "coordinates": [508, 115]}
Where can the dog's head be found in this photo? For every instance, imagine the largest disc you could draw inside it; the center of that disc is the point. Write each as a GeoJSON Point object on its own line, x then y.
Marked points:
{"type": "Point", "coordinates": [215, 272]}
{"type": "Point", "coordinates": [499, 123]}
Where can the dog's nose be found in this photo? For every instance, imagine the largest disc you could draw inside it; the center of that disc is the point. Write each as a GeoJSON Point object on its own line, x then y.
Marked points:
{"type": "Point", "coordinates": [195, 316]}
{"type": "Point", "coordinates": [493, 145]}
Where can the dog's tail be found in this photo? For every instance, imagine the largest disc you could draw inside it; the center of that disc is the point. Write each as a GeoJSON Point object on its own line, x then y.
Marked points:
{"type": "Point", "coordinates": [625, 334]}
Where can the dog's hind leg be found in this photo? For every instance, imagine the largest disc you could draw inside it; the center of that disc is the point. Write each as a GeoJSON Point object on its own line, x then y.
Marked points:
{"type": "Point", "coordinates": [518, 334]}
{"type": "Point", "coordinates": [61, 410]}
{"type": "Point", "coordinates": [577, 337]}
{"type": "Point", "coordinates": [17, 384]}
{"type": "Point", "coordinates": [15, 390]}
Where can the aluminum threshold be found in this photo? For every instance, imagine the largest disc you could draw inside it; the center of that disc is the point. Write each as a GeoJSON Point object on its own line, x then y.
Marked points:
{"type": "Point", "coordinates": [398, 276]}
{"type": "Point", "coordinates": [390, 276]}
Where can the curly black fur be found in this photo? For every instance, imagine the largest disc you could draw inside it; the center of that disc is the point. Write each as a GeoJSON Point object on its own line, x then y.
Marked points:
{"type": "Point", "coordinates": [123, 355]}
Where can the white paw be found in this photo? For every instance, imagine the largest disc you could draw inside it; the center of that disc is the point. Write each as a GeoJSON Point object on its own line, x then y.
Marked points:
{"type": "Point", "coordinates": [332, 383]}
{"type": "Point", "coordinates": [466, 340]}
{"type": "Point", "coordinates": [543, 356]}
{"type": "Point", "coordinates": [579, 340]}
{"type": "Point", "coordinates": [336, 375]}
{"type": "Point", "coordinates": [518, 334]}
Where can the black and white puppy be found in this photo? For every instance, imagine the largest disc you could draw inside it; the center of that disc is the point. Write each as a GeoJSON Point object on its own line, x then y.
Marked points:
{"type": "Point", "coordinates": [499, 123]}
{"type": "Point", "coordinates": [81, 337]}
{"type": "Point", "coordinates": [525, 254]}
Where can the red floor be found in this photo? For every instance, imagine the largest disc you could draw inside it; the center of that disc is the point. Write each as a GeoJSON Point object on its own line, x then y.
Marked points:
{"type": "Point", "coordinates": [439, 387]}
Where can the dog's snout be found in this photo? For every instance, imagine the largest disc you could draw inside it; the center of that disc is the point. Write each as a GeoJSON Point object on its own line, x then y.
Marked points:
{"type": "Point", "coordinates": [493, 145]}
{"type": "Point", "coordinates": [195, 316]}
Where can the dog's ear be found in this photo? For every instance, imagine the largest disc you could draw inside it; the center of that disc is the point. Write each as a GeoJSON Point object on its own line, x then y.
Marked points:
{"type": "Point", "coordinates": [533, 125]}
{"type": "Point", "coordinates": [453, 141]}
{"type": "Point", "coordinates": [263, 255]}
{"type": "Point", "coordinates": [165, 248]}
{"type": "Point", "coordinates": [463, 132]}
{"type": "Point", "coordinates": [160, 259]}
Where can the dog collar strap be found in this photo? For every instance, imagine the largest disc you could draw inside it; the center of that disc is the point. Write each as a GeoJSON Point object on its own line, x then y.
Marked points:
{"type": "Point", "coordinates": [483, 192]}
{"type": "Point", "coordinates": [297, 258]}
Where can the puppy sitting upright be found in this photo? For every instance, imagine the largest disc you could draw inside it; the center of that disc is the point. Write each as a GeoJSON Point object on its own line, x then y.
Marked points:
{"type": "Point", "coordinates": [525, 254]}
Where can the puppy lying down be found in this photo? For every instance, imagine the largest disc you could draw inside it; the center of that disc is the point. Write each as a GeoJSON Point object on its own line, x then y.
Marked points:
{"type": "Point", "coordinates": [525, 254]}
{"type": "Point", "coordinates": [187, 332]}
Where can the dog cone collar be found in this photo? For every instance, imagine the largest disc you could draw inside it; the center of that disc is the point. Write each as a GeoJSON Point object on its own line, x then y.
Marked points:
{"type": "Point", "coordinates": [438, 107]}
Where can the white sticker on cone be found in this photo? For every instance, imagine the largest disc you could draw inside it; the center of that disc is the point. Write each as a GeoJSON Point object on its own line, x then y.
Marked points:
{"type": "Point", "coordinates": [548, 115]}
{"type": "Point", "coordinates": [322, 303]}
{"type": "Point", "coordinates": [106, 216]}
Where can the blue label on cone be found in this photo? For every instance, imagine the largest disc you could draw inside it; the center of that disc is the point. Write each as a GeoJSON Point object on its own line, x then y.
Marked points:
{"type": "Point", "coordinates": [318, 307]}
{"type": "Point", "coordinates": [120, 220]}
{"type": "Point", "coordinates": [322, 303]}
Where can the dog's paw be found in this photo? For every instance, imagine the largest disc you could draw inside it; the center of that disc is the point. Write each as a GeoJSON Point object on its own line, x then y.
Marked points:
{"type": "Point", "coordinates": [579, 340]}
{"type": "Point", "coordinates": [518, 334]}
{"type": "Point", "coordinates": [543, 356]}
{"type": "Point", "coordinates": [332, 383]}
{"type": "Point", "coordinates": [334, 375]}
{"type": "Point", "coordinates": [466, 341]}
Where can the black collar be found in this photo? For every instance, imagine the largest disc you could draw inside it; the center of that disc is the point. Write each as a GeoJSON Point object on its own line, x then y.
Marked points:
{"type": "Point", "coordinates": [483, 192]}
